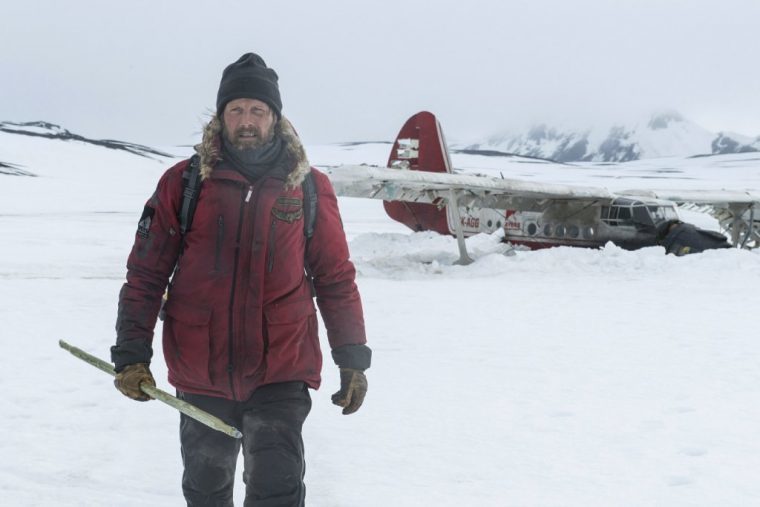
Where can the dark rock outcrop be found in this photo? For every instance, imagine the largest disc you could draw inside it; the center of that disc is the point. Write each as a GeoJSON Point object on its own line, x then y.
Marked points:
{"type": "Point", "coordinates": [52, 131]}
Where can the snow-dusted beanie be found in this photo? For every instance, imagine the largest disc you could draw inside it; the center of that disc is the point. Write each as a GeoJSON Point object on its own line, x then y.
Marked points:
{"type": "Point", "coordinates": [249, 78]}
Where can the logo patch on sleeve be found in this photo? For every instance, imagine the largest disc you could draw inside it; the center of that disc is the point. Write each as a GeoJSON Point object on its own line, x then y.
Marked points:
{"type": "Point", "coordinates": [143, 226]}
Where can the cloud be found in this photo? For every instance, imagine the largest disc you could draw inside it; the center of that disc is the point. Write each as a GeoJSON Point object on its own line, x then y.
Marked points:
{"type": "Point", "coordinates": [350, 71]}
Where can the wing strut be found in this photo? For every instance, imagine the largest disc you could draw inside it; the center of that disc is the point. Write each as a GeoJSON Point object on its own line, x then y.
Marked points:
{"type": "Point", "coordinates": [740, 222]}
{"type": "Point", "coordinates": [464, 259]}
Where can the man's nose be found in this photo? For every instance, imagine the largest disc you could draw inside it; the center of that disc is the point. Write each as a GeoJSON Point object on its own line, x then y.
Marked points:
{"type": "Point", "coordinates": [246, 119]}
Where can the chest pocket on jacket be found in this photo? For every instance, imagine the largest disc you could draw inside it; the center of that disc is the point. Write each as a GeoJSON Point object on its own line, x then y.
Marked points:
{"type": "Point", "coordinates": [288, 209]}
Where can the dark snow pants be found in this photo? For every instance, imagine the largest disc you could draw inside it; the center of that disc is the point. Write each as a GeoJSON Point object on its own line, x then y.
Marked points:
{"type": "Point", "coordinates": [273, 454]}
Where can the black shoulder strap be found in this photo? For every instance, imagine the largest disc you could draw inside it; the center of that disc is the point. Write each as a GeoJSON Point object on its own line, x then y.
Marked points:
{"type": "Point", "coordinates": [310, 206]}
{"type": "Point", "coordinates": [309, 219]}
{"type": "Point", "coordinates": [191, 184]}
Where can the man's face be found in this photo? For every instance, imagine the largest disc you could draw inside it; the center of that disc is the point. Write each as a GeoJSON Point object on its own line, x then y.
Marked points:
{"type": "Point", "coordinates": [248, 123]}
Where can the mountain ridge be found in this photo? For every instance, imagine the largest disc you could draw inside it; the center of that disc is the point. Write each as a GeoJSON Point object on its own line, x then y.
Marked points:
{"type": "Point", "coordinates": [52, 131]}
{"type": "Point", "coordinates": [662, 134]}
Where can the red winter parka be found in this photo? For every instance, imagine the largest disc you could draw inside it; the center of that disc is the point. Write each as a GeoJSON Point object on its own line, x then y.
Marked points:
{"type": "Point", "coordinates": [240, 312]}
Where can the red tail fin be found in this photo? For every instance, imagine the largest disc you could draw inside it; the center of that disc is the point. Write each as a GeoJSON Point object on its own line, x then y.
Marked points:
{"type": "Point", "coordinates": [420, 146]}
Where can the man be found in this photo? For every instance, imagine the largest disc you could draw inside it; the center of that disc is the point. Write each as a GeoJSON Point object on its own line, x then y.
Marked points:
{"type": "Point", "coordinates": [240, 330]}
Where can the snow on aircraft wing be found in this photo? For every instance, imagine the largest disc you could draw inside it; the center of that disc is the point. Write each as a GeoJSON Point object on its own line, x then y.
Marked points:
{"type": "Point", "coordinates": [427, 187]}
{"type": "Point", "coordinates": [704, 197]}
{"type": "Point", "coordinates": [735, 210]}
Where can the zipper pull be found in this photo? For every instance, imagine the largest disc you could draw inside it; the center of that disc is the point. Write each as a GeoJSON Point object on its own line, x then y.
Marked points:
{"type": "Point", "coordinates": [248, 196]}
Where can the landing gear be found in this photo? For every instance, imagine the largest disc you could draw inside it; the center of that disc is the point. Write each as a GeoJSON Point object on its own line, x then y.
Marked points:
{"type": "Point", "coordinates": [464, 258]}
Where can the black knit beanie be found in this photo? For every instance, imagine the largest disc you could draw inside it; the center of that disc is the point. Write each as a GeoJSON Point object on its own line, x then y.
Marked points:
{"type": "Point", "coordinates": [249, 78]}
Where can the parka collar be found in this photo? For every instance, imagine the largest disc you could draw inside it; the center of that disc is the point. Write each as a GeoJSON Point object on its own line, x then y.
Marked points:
{"type": "Point", "coordinates": [294, 162]}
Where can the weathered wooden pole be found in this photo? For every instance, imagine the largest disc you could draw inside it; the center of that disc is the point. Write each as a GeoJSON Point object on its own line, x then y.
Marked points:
{"type": "Point", "coordinates": [186, 408]}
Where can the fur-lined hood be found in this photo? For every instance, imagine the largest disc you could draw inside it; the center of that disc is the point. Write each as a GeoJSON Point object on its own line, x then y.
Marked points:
{"type": "Point", "coordinates": [294, 156]}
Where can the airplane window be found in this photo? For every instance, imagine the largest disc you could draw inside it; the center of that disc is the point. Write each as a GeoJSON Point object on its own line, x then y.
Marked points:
{"type": "Point", "coordinates": [624, 214]}
{"type": "Point", "coordinates": [588, 232]}
{"type": "Point", "coordinates": [662, 213]}
{"type": "Point", "coordinates": [560, 231]}
{"type": "Point", "coordinates": [547, 230]}
{"type": "Point", "coordinates": [644, 216]}
{"type": "Point", "coordinates": [532, 229]}
{"type": "Point", "coordinates": [573, 231]}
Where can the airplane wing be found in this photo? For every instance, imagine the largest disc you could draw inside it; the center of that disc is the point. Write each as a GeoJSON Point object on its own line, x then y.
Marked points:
{"type": "Point", "coordinates": [703, 197]}
{"type": "Point", "coordinates": [468, 190]}
{"type": "Point", "coordinates": [738, 212]}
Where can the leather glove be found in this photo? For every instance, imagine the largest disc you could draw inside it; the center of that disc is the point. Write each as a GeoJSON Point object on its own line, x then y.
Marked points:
{"type": "Point", "coordinates": [353, 389]}
{"type": "Point", "coordinates": [129, 379]}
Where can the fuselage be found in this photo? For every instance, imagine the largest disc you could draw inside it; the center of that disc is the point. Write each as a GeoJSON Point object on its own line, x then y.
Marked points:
{"type": "Point", "coordinates": [629, 223]}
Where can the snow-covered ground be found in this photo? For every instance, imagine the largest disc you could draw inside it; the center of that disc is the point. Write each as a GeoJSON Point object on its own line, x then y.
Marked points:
{"type": "Point", "coordinates": [563, 377]}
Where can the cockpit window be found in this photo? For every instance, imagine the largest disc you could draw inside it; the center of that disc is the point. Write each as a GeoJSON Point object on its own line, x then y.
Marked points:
{"type": "Point", "coordinates": [662, 214]}
{"type": "Point", "coordinates": [641, 215]}
{"type": "Point", "coordinates": [623, 211]}
{"type": "Point", "coordinates": [618, 213]}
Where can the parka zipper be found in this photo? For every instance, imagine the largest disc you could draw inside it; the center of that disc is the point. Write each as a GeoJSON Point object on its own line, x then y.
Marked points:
{"type": "Point", "coordinates": [270, 257]}
{"type": "Point", "coordinates": [231, 361]}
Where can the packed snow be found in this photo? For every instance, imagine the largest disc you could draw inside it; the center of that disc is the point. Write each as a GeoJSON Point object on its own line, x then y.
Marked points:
{"type": "Point", "coordinates": [564, 377]}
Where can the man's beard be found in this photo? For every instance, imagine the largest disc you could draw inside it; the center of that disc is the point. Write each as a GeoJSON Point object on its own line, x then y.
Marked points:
{"type": "Point", "coordinates": [249, 138]}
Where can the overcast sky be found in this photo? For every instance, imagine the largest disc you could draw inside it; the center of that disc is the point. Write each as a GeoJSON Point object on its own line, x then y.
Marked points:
{"type": "Point", "coordinates": [148, 70]}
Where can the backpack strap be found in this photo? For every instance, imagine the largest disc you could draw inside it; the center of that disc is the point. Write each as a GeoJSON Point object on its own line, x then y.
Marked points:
{"type": "Point", "coordinates": [191, 184]}
{"type": "Point", "coordinates": [310, 206]}
{"type": "Point", "coordinates": [309, 189]}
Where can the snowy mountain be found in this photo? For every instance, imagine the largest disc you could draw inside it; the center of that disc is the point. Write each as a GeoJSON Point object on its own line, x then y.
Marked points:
{"type": "Point", "coordinates": [77, 173]}
{"type": "Point", "coordinates": [27, 147]}
{"type": "Point", "coordinates": [664, 134]}
{"type": "Point", "coordinates": [729, 142]}
{"type": "Point", "coordinates": [53, 131]}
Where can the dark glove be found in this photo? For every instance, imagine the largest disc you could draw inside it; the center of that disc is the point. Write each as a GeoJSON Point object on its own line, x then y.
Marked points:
{"type": "Point", "coordinates": [353, 389]}
{"type": "Point", "coordinates": [129, 379]}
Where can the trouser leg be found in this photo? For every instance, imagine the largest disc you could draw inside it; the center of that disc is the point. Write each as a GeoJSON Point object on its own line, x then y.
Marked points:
{"type": "Point", "coordinates": [272, 445]}
{"type": "Point", "coordinates": [209, 456]}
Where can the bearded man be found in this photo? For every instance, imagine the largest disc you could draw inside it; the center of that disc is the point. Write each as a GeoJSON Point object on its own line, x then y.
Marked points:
{"type": "Point", "coordinates": [240, 330]}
